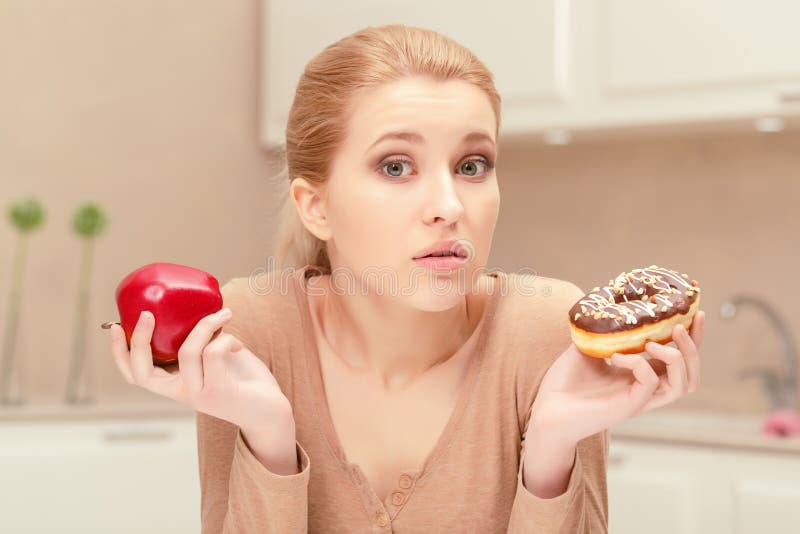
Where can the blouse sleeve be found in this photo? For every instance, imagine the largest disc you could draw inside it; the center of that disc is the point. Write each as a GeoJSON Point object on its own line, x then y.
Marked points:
{"type": "Point", "coordinates": [581, 509]}
{"type": "Point", "coordinates": [238, 493]}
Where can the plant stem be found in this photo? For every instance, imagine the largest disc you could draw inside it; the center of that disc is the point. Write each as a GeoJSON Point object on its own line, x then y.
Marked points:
{"type": "Point", "coordinates": [12, 317]}
{"type": "Point", "coordinates": [79, 355]}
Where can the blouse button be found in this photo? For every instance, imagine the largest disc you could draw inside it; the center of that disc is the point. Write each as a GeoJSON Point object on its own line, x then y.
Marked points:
{"type": "Point", "coordinates": [405, 481]}
{"type": "Point", "coordinates": [398, 497]}
{"type": "Point", "coordinates": [381, 519]}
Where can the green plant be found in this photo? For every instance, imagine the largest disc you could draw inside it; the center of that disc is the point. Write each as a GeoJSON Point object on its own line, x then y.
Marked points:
{"type": "Point", "coordinates": [88, 222]}
{"type": "Point", "coordinates": [26, 216]}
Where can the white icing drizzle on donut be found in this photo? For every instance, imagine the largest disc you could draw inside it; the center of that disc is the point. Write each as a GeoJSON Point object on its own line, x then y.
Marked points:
{"type": "Point", "coordinates": [600, 303]}
{"type": "Point", "coordinates": [648, 307]}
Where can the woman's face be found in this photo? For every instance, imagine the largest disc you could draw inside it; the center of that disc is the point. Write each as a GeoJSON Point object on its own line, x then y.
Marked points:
{"type": "Point", "coordinates": [388, 198]}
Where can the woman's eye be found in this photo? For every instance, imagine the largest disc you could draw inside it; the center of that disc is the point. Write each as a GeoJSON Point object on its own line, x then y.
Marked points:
{"type": "Point", "coordinates": [476, 161]}
{"type": "Point", "coordinates": [471, 167]}
{"type": "Point", "coordinates": [395, 166]}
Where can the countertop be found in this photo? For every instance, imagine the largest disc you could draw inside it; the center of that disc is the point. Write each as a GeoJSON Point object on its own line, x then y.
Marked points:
{"type": "Point", "coordinates": [665, 426]}
{"type": "Point", "coordinates": [61, 412]}
{"type": "Point", "coordinates": [710, 429]}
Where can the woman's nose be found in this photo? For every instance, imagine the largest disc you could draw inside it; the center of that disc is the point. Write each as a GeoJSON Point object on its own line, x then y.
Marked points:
{"type": "Point", "coordinates": [443, 201]}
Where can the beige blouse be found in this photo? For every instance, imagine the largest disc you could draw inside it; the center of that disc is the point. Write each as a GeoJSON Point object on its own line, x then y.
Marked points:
{"type": "Point", "coordinates": [472, 479]}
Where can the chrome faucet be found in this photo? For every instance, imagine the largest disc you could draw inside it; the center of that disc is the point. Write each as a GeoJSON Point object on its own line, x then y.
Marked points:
{"type": "Point", "coordinates": [781, 387]}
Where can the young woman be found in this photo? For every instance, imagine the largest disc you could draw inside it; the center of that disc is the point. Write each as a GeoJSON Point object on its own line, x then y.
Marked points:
{"type": "Point", "coordinates": [369, 390]}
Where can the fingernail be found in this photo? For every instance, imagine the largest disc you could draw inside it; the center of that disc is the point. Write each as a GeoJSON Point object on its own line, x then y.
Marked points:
{"type": "Point", "coordinates": [144, 318]}
{"type": "Point", "coordinates": [224, 312]}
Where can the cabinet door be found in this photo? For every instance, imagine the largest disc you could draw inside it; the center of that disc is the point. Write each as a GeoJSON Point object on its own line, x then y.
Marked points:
{"type": "Point", "coordinates": [653, 489]}
{"type": "Point", "coordinates": [695, 60]}
{"type": "Point", "coordinates": [526, 45]}
{"type": "Point", "coordinates": [765, 491]}
{"type": "Point", "coordinates": [121, 477]}
{"type": "Point", "coordinates": [683, 489]}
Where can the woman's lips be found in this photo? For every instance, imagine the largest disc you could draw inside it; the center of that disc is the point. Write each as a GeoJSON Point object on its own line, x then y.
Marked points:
{"type": "Point", "coordinates": [441, 263]}
{"type": "Point", "coordinates": [454, 246]}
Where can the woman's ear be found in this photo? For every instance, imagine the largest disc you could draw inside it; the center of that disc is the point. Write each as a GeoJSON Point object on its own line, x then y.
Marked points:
{"type": "Point", "coordinates": [310, 207]}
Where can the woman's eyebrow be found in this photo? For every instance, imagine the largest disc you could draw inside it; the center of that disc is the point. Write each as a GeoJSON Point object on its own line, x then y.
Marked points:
{"type": "Point", "coordinates": [414, 137]}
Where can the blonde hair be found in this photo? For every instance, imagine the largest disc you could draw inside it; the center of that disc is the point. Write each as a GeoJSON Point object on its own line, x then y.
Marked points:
{"type": "Point", "coordinates": [330, 83]}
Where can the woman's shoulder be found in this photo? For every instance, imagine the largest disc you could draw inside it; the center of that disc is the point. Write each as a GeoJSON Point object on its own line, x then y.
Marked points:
{"type": "Point", "coordinates": [528, 292]}
{"type": "Point", "coordinates": [259, 288]}
{"type": "Point", "coordinates": [535, 323]}
{"type": "Point", "coordinates": [535, 316]}
{"type": "Point", "coordinates": [264, 305]}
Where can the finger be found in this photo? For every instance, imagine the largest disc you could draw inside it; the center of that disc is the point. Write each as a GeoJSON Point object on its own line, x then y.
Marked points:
{"type": "Point", "coordinates": [159, 380]}
{"type": "Point", "coordinates": [646, 380]}
{"type": "Point", "coordinates": [141, 353]}
{"type": "Point", "coordinates": [690, 355]}
{"type": "Point", "coordinates": [223, 343]}
{"type": "Point", "coordinates": [215, 354]}
{"type": "Point", "coordinates": [119, 348]}
{"type": "Point", "coordinates": [698, 327]}
{"type": "Point", "coordinates": [677, 378]}
{"type": "Point", "coordinates": [190, 354]}
{"type": "Point", "coordinates": [245, 365]}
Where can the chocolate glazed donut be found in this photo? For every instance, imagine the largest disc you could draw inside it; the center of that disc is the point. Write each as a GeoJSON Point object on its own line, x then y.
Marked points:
{"type": "Point", "coordinates": [638, 306]}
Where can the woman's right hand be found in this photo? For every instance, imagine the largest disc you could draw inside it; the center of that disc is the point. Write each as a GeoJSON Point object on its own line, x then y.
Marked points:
{"type": "Point", "coordinates": [218, 375]}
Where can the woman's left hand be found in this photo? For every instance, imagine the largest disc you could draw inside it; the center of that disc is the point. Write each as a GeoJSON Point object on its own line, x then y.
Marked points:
{"type": "Point", "coordinates": [581, 395]}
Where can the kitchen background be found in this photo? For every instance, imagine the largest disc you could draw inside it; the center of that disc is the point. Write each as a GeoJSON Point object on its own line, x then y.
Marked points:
{"type": "Point", "coordinates": [166, 115]}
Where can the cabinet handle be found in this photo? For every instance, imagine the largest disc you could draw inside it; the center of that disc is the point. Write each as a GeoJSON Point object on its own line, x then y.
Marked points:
{"type": "Point", "coordinates": [137, 435]}
{"type": "Point", "coordinates": [616, 459]}
{"type": "Point", "coordinates": [789, 96]}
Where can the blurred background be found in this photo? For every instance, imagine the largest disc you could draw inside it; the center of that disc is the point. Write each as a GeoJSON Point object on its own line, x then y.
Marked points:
{"type": "Point", "coordinates": [634, 133]}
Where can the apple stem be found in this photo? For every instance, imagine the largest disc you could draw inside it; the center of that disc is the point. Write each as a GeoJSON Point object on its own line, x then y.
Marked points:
{"type": "Point", "coordinates": [108, 324]}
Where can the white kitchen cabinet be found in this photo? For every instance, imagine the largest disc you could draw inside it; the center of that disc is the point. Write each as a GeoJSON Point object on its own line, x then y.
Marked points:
{"type": "Point", "coordinates": [688, 60]}
{"type": "Point", "coordinates": [122, 476]}
{"type": "Point", "coordinates": [525, 45]}
{"type": "Point", "coordinates": [682, 489]}
{"type": "Point", "coordinates": [568, 64]}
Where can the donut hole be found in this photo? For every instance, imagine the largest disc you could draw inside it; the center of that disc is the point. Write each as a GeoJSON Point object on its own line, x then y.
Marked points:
{"type": "Point", "coordinates": [645, 291]}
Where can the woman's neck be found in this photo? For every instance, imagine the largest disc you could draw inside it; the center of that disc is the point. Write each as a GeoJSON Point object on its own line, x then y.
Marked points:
{"type": "Point", "coordinates": [393, 345]}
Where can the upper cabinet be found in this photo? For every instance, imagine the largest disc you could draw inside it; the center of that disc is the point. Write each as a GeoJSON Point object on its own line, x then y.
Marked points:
{"type": "Point", "coordinates": [562, 64]}
{"type": "Point", "coordinates": [689, 60]}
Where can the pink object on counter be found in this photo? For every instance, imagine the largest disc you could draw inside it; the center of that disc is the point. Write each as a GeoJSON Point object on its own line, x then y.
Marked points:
{"type": "Point", "coordinates": [783, 422]}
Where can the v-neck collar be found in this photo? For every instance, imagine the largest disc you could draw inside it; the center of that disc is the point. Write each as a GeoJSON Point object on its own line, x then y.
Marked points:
{"type": "Point", "coordinates": [323, 416]}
